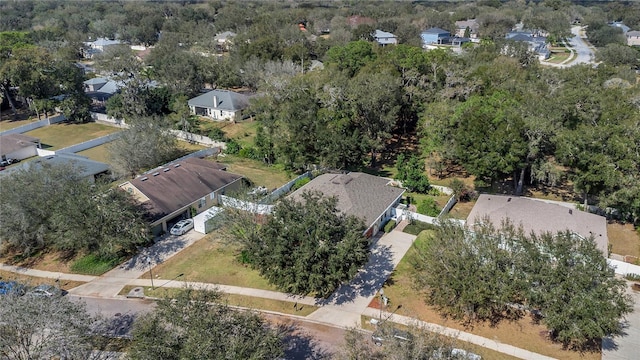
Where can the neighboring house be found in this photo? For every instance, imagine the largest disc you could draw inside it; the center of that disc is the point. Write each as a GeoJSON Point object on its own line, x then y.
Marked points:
{"type": "Point", "coordinates": [633, 38]}
{"type": "Point", "coordinates": [100, 89]}
{"type": "Point", "coordinates": [470, 25]}
{"type": "Point", "coordinates": [435, 36]}
{"type": "Point", "coordinates": [224, 40]}
{"type": "Point", "coordinates": [385, 38]}
{"type": "Point", "coordinates": [18, 146]}
{"type": "Point", "coordinates": [221, 105]}
{"type": "Point", "coordinates": [86, 168]}
{"type": "Point", "coordinates": [368, 197]}
{"type": "Point", "coordinates": [535, 42]}
{"type": "Point", "coordinates": [459, 41]}
{"type": "Point", "coordinates": [98, 46]}
{"type": "Point", "coordinates": [538, 216]}
{"type": "Point", "coordinates": [182, 189]}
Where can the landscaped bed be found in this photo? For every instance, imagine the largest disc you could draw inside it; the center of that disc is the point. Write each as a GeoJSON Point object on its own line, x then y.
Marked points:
{"type": "Point", "coordinates": [61, 135]}
{"type": "Point", "coordinates": [522, 333]}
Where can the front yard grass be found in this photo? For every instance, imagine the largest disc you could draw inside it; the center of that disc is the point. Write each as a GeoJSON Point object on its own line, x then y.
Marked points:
{"type": "Point", "coordinates": [244, 132]}
{"type": "Point", "coordinates": [61, 135]}
{"type": "Point", "coordinates": [8, 124]}
{"type": "Point", "coordinates": [34, 281]}
{"type": "Point", "coordinates": [259, 173]}
{"type": "Point", "coordinates": [101, 152]}
{"type": "Point", "coordinates": [209, 260]}
{"type": "Point", "coordinates": [522, 333]}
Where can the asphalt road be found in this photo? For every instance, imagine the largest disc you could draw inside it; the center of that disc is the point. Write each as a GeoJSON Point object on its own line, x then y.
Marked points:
{"type": "Point", "coordinates": [305, 340]}
{"type": "Point", "coordinates": [584, 54]}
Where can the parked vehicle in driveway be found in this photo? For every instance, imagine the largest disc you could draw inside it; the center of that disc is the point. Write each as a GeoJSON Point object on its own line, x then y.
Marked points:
{"type": "Point", "coordinates": [7, 162]}
{"type": "Point", "coordinates": [182, 227]}
{"type": "Point", "coordinates": [11, 288]}
{"type": "Point", "coordinates": [46, 291]}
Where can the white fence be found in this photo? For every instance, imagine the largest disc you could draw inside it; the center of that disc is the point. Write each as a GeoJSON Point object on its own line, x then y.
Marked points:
{"type": "Point", "coordinates": [198, 139]}
{"type": "Point", "coordinates": [42, 152]}
{"type": "Point", "coordinates": [445, 210]}
{"type": "Point", "coordinates": [443, 189]}
{"type": "Point", "coordinates": [108, 120]}
{"type": "Point", "coordinates": [90, 143]}
{"type": "Point", "coordinates": [277, 193]}
{"type": "Point", "coordinates": [34, 125]}
{"type": "Point", "coordinates": [623, 268]}
{"type": "Point", "coordinates": [251, 207]}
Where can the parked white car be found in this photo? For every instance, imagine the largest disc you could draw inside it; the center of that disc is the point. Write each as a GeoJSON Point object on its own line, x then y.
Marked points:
{"type": "Point", "coordinates": [182, 227]}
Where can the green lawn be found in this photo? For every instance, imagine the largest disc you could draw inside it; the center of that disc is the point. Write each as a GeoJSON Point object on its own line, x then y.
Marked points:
{"type": "Point", "coordinates": [61, 135]}
{"type": "Point", "coordinates": [271, 177]}
{"type": "Point", "coordinates": [209, 260]}
{"type": "Point", "coordinates": [101, 153]}
{"type": "Point", "coordinates": [8, 124]}
{"type": "Point", "coordinates": [244, 132]}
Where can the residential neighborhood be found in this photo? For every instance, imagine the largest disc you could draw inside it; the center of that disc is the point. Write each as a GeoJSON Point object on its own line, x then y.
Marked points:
{"type": "Point", "coordinates": [319, 180]}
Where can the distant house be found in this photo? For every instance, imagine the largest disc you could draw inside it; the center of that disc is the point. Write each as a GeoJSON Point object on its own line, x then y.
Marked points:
{"type": "Point", "coordinates": [538, 216]}
{"type": "Point", "coordinates": [368, 197]}
{"type": "Point", "coordinates": [86, 168]}
{"type": "Point", "coordinates": [221, 105]}
{"type": "Point", "coordinates": [98, 46]}
{"type": "Point", "coordinates": [385, 38]}
{"type": "Point", "coordinates": [18, 146]}
{"type": "Point", "coordinates": [633, 38]}
{"type": "Point", "coordinates": [100, 89]}
{"type": "Point", "coordinates": [435, 36]}
{"type": "Point", "coordinates": [181, 189]}
{"type": "Point", "coordinates": [224, 40]}
{"type": "Point", "coordinates": [459, 41]}
{"type": "Point", "coordinates": [535, 42]}
{"type": "Point", "coordinates": [470, 25]}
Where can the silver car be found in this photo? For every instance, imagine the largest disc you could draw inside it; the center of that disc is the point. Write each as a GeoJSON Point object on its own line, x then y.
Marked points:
{"type": "Point", "coordinates": [182, 227]}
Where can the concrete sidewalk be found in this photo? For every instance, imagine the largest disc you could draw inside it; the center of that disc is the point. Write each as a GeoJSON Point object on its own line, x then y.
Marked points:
{"type": "Point", "coordinates": [112, 282]}
{"type": "Point", "coordinates": [47, 274]}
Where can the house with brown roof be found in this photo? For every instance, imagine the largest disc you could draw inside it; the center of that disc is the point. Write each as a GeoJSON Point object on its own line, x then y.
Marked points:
{"type": "Point", "coordinates": [368, 197]}
{"type": "Point", "coordinates": [18, 146]}
{"type": "Point", "coordinates": [181, 189]}
{"type": "Point", "coordinates": [537, 216]}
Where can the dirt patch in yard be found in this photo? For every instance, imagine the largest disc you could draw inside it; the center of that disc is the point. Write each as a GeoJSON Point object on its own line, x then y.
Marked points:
{"type": "Point", "coordinates": [47, 262]}
{"type": "Point", "coordinates": [623, 239]}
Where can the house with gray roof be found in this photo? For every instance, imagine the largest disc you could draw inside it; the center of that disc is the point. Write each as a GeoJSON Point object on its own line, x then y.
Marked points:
{"type": "Point", "coordinates": [98, 46]}
{"type": "Point", "coordinates": [100, 89]}
{"type": "Point", "coordinates": [534, 40]}
{"type": "Point", "coordinates": [85, 167]}
{"type": "Point", "coordinates": [385, 38]}
{"type": "Point", "coordinates": [538, 216]}
{"type": "Point", "coordinates": [179, 190]}
{"type": "Point", "coordinates": [435, 36]}
{"type": "Point", "coordinates": [219, 105]}
{"type": "Point", "coordinates": [18, 146]}
{"type": "Point", "coordinates": [368, 197]}
{"type": "Point", "coordinates": [471, 26]}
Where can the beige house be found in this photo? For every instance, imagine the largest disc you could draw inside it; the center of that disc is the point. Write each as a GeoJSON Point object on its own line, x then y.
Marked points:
{"type": "Point", "coordinates": [633, 38]}
{"type": "Point", "coordinates": [180, 190]}
{"type": "Point", "coordinates": [219, 105]}
{"type": "Point", "coordinates": [538, 216]}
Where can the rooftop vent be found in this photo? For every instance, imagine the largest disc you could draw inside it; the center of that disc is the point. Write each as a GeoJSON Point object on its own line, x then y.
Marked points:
{"type": "Point", "coordinates": [156, 173]}
{"type": "Point", "coordinates": [144, 179]}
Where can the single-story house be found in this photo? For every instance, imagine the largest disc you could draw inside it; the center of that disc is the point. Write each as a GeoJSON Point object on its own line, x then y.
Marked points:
{"type": "Point", "coordinates": [224, 40]}
{"type": "Point", "coordinates": [535, 42]}
{"type": "Point", "coordinates": [471, 26]}
{"type": "Point", "coordinates": [435, 36]}
{"type": "Point", "coordinates": [385, 38]}
{"type": "Point", "coordinates": [633, 38]}
{"type": "Point", "coordinates": [86, 168]}
{"type": "Point", "coordinates": [368, 197]}
{"type": "Point", "coordinates": [18, 146]}
{"type": "Point", "coordinates": [100, 89]}
{"type": "Point", "coordinates": [182, 189]}
{"type": "Point", "coordinates": [221, 105]}
{"type": "Point", "coordinates": [98, 46]}
{"type": "Point", "coordinates": [539, 216]}
{"type": "Point", "coordinates": [459, 41]}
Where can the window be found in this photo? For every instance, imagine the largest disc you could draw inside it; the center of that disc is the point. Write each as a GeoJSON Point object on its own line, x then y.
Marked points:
{"type": "Point", "coordinates": [212, 196]}
{"type": "Point", "coordinates": [202, 203]}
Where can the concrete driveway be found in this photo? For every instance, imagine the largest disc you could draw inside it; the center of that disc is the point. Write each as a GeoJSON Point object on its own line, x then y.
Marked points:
{"type": "Point", "coordinates": [626, 346]}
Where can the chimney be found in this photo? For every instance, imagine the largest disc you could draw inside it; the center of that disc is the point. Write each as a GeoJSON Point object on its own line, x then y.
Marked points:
{"type": "Point", "coordinates": [215, 101]}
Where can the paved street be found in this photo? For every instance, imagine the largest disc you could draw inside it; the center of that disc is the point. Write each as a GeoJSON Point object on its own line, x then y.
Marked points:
{"type": "Point", "coordinates": [627, 346]}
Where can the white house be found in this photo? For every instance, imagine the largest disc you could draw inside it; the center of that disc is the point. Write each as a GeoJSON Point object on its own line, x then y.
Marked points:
{"type": "Point", "coordinates": [220, 105]}
{"type": "Point", "coordinates": [18, 146]}
{"type": "Point", "coordinates": [385, 38]}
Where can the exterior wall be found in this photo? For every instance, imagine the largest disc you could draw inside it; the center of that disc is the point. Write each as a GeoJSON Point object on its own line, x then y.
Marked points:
{"type": "Point", "coordinates": [216, 114]}
{"type": "Point", "coordinates": [388, 213]}
{"type": "Point", "coordinates": [24, 153]}
{"type": "Point", "coordinates": [433, 38]}
{"type": "Point", "coordinates": [633, 40]}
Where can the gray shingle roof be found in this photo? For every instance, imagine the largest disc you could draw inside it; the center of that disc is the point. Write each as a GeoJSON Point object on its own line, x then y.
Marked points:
{"type": "Point", "coordinates": [84, 165]}
{"type": "Point", "coordinates": [177, 186]}
{"type": "Point", "coordinates": [13, 142]}
{"type": "Point", "coordinates": [537, 216]}
{"type": "Point", "coordinates": [359, 194]}
{"type": "Point", "coordinates": [227, 100]}
{"type": "Point", "coordinates": [436, 30]}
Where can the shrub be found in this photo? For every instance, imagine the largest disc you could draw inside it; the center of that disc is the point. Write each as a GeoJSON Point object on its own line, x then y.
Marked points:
{"type": "Point", "coordinates": [249, 153]}
{"type": "Point", "coordinates": [233, 147]}
{"type": "Point", "coordinates": [416, 227]}
{"type": "Point", "coordinates": [217, 134]}
{"type": "Point", "coordinates": [428, 207]}
{"type": "Point", "coordinates": [94, 265]}
{"type": "Point", "coordinates": [300, 183]}
{"type": "Point", "coordinates": [632, 277]}
{"type": "Point", "coordinates": [389, 226]}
